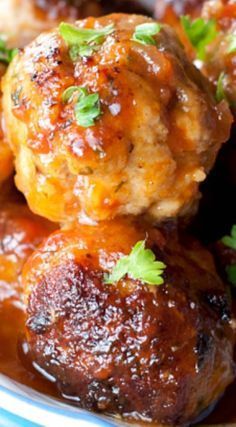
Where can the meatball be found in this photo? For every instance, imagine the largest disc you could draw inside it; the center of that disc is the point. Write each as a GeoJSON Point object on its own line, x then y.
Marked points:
{"type": "Point", "coordinates": [20, 234]}
{"type": "Point", "coordinates": [6, 158]}
{"type": "Point", "coordinates": [149, 353]}
{"type": "Point", "coordinates": [220, 63]}
{"type": "Point", "coordinates": [156, 132]}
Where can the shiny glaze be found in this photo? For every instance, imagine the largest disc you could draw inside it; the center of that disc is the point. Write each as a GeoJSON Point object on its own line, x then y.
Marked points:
{"type": "Point", "coordinates": [158, 135]}
{"type": "Point", "coordinates": [20, 234]}
{"type": "Point", "coordinates": [160, 354]}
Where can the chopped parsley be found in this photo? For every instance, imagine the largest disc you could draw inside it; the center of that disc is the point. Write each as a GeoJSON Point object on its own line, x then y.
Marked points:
{"type": "Point", "coordinates": [6, 55]}
{"type": "Point", "coordinates": [83, 41]}
{"type": "Point", "coordinates": [87, 106]}
{"type": "Point", "coordinates": [231, 274]}
{"type": "Point", "coordinates": [140, 264]}
{"type": "Point", "coordinates": [200, 33]}
{"type": "Point", "coordinates": [220, 91]}
{"type": "Point", "coordinates": [144, 33]}
{"type": "Point", "coordinates": [230, 241]}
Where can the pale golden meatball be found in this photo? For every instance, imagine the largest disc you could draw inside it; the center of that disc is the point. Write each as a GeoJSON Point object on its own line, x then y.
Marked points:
{"type": "Point", "coordinates": [154, 133]}
{"type": "Point", "coordinates": [162, 354]}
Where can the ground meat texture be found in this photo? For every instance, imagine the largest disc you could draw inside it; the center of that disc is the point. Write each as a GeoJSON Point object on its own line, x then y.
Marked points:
{"type": "Point", "coordinates": [158, 354]}
{"type": "Point", "coordinates": [157, 137]}
{"type": "Point", "coordinates": [220, 61]}
{"type": "Point", "coordinates": [20, 234]}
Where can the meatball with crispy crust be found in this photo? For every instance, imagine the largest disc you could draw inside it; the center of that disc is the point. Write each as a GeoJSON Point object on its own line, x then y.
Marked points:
{"type": "Point", "coordinates": [154, 133]}
{"type": "Point", "coordinates": [159, 354]}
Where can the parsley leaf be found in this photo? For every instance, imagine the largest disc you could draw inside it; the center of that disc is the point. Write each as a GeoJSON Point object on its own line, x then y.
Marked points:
{"type": "Point", "coordinates": [232, 44]}
{"type": "Point", "coordinates": [68, 93]}
{"type": "Point", "coordinates": [6, 55]}
{"type": "Point", "coordinates": [220, 92]}
{"type": "Point", "coordinates": [87, 106]}
{"type": "Point", "coordinates": [230, 241]}
{"type": "Point", "coordinates": [83, 41]}
{"type": "Point", "coordinates": [231, 273]}
{"type": "Point", "coordinates": [141, 265]}
{"type": "Point", "coordinates": [144, 33]}
{"type": "Point", "coordinates": [200, 33]}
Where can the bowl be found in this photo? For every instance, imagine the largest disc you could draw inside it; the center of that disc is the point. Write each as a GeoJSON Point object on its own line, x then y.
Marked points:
{"type": "Point", "coordinates": [21, 406]}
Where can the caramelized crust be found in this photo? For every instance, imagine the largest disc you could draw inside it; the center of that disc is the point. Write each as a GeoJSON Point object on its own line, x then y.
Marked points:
{"type": "Point", "coordinates": [157, 137]}
{"type": "Point", "coordinates": [158, 354]}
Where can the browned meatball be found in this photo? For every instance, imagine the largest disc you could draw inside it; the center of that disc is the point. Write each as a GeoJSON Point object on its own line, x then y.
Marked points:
{"type": "Point", "coordinates": [149, 353]}
{"type": "Point", "coordinates": [156, 134]}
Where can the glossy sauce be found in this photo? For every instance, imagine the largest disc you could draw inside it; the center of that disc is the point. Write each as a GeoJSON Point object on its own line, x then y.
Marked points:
{"type": "Point", "coordinates": [15, 365]}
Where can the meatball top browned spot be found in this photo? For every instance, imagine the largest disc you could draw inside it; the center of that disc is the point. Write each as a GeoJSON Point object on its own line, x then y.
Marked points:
{"type": "Point", "coordinates": [156, 353]}
{"type": "Point", "coordinates": [155, 136]}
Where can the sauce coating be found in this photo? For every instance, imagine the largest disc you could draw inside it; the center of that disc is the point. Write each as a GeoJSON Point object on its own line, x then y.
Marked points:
{"type": "Point", "coordinates": [162, 152]}
{"type": "Point", "coordinates": [162, 354]}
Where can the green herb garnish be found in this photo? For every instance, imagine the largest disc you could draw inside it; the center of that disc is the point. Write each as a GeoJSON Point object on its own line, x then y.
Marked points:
{"type": "Point", "coordinates": [220, 91]}
{"type": "Point", "coordinates": [232, 44]}
{"type": "Point", "coordinates": [230, 241]}
{"type": "Point", "coordinates": [231, 274]}
{"type": "Point", "coordinates": [200, 33]}
{"type": "Point", "coordinates": [6, 55]}
{"type": "Point", "coordinates": [69, 92]}
{"type": "Point", "coordinates": [144, 33]}
{"type": "Point", "coordinates": [83, 41]}
{"type": "Point", "coordinates": [141, 265]}
{"type": "Point", "coordinates": [87, 106]}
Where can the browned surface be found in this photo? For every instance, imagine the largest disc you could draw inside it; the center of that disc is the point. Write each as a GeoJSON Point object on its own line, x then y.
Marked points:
{"type": "Point", "coordinates": [162, 354]}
